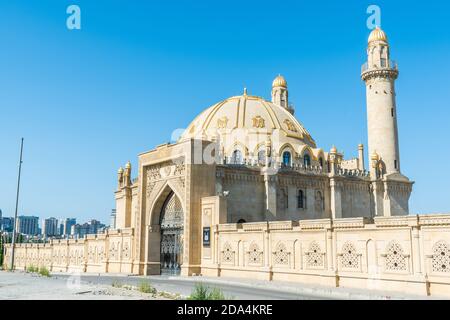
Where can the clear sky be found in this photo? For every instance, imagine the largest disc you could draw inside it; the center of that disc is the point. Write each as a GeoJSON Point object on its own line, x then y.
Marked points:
{"type": "Point", "coordinates": [88, 100]}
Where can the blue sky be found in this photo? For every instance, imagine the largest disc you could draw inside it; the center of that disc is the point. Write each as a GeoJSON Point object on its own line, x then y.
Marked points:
{"type": "Point", "coordinates": [88, 100]}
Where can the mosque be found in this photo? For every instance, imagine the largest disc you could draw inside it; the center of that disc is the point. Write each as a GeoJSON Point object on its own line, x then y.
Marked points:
{"type": "Point", "coordinates": [247, 192]}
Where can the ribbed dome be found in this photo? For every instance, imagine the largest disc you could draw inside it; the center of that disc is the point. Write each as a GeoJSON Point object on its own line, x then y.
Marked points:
{"type": "Point", "coordinates": [243, 118]}
{"type": "Point", "coordinates": [279, 81]}
{"type": "Point", "coordinates": [377, 35]}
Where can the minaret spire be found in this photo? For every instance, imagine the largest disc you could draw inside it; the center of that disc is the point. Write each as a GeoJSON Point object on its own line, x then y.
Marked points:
{"type": "Point", "coordinates": [390, 189]}
{"type": "Point", "coordinates": [380, 74]}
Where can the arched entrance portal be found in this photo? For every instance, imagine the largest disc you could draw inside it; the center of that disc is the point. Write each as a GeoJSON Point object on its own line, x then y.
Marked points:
{"type": "Point", "coordinates": [171, 235]}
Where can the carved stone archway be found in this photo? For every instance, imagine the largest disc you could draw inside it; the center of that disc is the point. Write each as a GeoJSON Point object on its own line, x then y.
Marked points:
{"type": "Point", "coordinates": [165, 239]}
{"type": "Point", "coordinates": [171, 244]}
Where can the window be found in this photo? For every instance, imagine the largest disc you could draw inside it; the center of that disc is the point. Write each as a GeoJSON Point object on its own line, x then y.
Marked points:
{"type": "Point", "coordinates": [392, 112]}
{"type": "Point", "coordinates": [300, 199]}
{"type": "Point", "coordinates": [307, 160]}
{"type": "Point", "coordinates": [319, 204]}
{"type": "Point", "coordinates": [321, 162]}
{"type": "Point", "coordinates": [395, 164]}
{"type": "Point", "coordinates": [262, 157]}
{"type": "Point", "coordinates": [237, 157]}
{"type": "Point", "coordinates": [241, 221]}
{"type": "Point", "coordinates": [287, 158]}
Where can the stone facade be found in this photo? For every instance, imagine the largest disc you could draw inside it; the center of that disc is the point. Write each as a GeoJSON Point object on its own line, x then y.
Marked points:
{"type": "Point", "coordinates": [246, 192]}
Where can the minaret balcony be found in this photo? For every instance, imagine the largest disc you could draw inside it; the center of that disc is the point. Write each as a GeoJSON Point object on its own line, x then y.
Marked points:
{"type": "Point", "coordinates": [390, 70]}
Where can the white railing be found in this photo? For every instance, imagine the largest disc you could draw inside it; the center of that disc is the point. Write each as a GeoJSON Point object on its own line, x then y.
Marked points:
{"type": "Point", "coordinates": [392, 65]}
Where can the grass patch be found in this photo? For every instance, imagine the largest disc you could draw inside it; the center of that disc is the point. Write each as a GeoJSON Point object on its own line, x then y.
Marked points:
{"type": "Point", "coordinates": [32, 269]}
{"type": "Point", "coordinates": [117, 284]}
{"type": "Point", "coordinates": [202, 292]}
{"type": "Point", "coordinates": [43, 271]}
{"type": "Point", "coordinates": [146, 287]}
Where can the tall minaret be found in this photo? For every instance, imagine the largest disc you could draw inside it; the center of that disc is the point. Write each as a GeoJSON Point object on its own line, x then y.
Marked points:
{"type": "Point", "coordinates": [280, 93]}
{"type": "Point", "coordinates": [379, 74]}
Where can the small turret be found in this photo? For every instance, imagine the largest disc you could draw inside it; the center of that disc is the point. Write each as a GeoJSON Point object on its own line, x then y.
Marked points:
{"type": "Point", "coordinates": [127, 174]}
{"type": "Point", "coordinates": [280, 93]}
{"type": "Point", "coordinates": [120, 177]}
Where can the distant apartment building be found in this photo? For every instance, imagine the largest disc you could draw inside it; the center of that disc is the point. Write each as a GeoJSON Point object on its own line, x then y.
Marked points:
{"type": "Point", "coordinates": [91, 227]}
{"type": "Point", "coordinates": [50, 227]}
{"type": "Point", "coordinates": [7, 224]}
{"type": "Point", "coordinates": [68, 223]}
{"type": "Point", "coordinates": [28, 225]}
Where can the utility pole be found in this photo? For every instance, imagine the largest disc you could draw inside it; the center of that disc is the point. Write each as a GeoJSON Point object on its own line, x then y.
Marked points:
{"type": "Point", "coordinates": [17, 205]}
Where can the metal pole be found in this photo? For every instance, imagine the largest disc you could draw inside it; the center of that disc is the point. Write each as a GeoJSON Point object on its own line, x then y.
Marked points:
{"type": "Point", "coordinates": [17, 204]}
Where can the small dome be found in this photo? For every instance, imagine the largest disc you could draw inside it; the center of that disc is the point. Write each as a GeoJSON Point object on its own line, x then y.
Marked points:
{"type": "Point", "coordinates": [377, 35]}
{"type": "Point", "coordinates": [279, 81]}
{"type": "Point", "coordinates": [120, 170]}
{"type": "Point", "coordinates": [333, 150]}
{"type": "Point", "coordinates": [128, 165]}
{"type": "Point", "coordinates": [375, 156]}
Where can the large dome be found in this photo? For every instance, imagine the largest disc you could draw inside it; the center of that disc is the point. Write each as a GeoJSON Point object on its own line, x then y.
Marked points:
{"type": "Point", "coordinates": [248, 122]}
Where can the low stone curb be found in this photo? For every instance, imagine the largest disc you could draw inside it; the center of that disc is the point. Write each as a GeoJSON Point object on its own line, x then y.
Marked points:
{"type": "Point", "coordinates": [318, 292]}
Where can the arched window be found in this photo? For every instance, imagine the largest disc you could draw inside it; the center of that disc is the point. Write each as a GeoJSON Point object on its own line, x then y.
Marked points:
{"type": "Point", "coordinates": [321, 162]}
{"type": "Point", "coordinates": [300, 199]}
{"type": "Point", "coordinates": [318, 201]}
{"type": "Point", "coordinates": [237, 157]}
{"type": "Point", "coordinates": [241, 221]}
{"type": "Point", "coordinates": [261, 157]}
{"type": "Point", "coordinates": [287, 158]}
{"type": "Point", "coordinates": [307, 160]}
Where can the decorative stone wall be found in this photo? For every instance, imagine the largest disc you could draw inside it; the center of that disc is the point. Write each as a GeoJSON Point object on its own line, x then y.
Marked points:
{"type": "Point", "coordinates": [401, 254]}
{"type": "Point", "coordinates": [109, 252]}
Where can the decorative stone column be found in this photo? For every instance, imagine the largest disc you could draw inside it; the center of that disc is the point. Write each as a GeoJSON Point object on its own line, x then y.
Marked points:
{"type": "Point", "coordinates": [330, 260]}
{"type": "Point", "coordinates": [152, 263]}
{"type": "Point", "coordinates": [336, 205]}
{"type": "Point", "coordinates": [266, 246]}
{"type": "Point", "coordinates": [416, 254]}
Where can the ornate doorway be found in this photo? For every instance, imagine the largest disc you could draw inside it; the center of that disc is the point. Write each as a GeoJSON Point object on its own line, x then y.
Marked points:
{"type": "Point", "coordinates": [171, 235]}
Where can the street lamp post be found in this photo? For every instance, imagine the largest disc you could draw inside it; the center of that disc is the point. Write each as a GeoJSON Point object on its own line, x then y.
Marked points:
{"type": "Point", "coordinates": [17, 204]}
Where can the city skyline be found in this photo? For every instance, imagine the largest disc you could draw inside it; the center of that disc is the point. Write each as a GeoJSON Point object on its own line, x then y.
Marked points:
{"type": "Point", "coordinates": [60, 223]}
{"type": "Point", "coordinates": [147, 69]}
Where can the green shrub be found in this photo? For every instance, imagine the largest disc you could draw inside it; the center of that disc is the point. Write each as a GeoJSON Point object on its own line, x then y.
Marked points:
{"type": "Point", "coordinates": [43, 271]}
{"type": "Point", "coordinates": [145, 287]}
{"type": "Point", "coordinates": [117, 284]}
{"type": "Point", "coordinates": [202, 292]}
{"type": "Point", "coordinates": [32, 269]}
{"type": "Point", "coordinates": [216, 294]}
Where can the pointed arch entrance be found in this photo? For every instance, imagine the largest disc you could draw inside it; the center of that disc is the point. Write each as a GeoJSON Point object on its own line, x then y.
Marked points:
{"type": "Point", "coordinates": [171, 246]}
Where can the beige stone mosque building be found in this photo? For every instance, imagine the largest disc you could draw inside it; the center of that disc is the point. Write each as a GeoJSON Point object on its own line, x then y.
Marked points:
{"type": "Point", "coordinates": [247, 192]}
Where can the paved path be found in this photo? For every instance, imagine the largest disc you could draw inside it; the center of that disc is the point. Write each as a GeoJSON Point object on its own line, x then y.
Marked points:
{"type": "Point", "coordinates": [26, 286]}
{"type": "Point", "coordinates": [185, 285]}
{"type": "Point", "coordinates": [20, 285]}
{"type": "Point", "coordinates": [246, 289]}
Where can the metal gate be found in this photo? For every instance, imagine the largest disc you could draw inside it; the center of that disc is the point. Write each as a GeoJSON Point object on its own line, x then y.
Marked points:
{"type": "Point", "coordinates": [171, 236]}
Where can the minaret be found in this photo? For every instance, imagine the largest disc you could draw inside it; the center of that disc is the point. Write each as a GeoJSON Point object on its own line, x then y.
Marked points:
{"type": "Point", "coordinates": [280, 93]}
{"type": "Point", "coordinates": [379, 74]}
